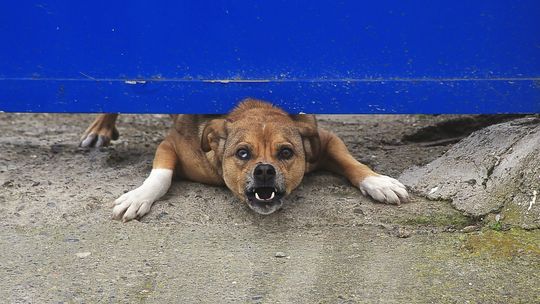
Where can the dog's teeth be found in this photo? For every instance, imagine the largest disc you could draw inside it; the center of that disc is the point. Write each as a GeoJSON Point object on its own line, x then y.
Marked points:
{"type": "Point", "coordinates": [265, 199]}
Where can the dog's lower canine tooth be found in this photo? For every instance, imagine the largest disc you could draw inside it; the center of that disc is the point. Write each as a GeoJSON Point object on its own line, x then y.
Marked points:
{"type": "Point", "coordinates": [272, 196]}
{"type": "Point", "coordinates": [257, 196]}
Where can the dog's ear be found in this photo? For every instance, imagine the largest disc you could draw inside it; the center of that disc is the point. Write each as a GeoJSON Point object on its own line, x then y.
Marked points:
{"type": "Point", "coordinates": [214, 131]}
{"type": "Point", "coordinates": [307, 127]}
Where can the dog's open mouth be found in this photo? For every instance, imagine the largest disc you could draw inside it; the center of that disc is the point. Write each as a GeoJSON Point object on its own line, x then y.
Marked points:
{"type": "Point", "coordinates": [264, 200]}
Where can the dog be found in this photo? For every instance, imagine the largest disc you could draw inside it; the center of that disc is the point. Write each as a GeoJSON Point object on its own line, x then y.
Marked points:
{"type": "Point", "coordinates": [260, 152]}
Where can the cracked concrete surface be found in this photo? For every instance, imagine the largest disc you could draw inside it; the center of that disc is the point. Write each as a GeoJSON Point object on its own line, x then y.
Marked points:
{"type": "Point", "coordinates": [495, 170]}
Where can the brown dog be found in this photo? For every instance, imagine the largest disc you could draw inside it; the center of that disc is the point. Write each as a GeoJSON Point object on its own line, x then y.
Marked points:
{"type": "Point", "coordinates": [258, 151]}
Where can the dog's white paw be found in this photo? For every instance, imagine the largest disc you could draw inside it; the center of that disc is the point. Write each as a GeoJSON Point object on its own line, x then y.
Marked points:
{"type": "Point", "coordinates": [384, 189]}
{"type": "Point", "coordinates": [138, 202]}
{"type": "Point", "coordinates": [132, 204]}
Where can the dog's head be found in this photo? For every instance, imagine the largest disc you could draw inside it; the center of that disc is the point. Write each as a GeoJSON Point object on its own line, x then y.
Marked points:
{"type": "Point", "coordinates": [263, 153]}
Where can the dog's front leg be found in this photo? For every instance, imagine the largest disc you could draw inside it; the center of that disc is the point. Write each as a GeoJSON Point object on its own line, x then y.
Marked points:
{"type": "Point", "coordinates": [138, 202]}
{"type": "Point", "coordinates": [336, 158]}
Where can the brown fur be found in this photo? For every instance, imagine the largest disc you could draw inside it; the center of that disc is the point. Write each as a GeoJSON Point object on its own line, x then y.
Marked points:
{"type": "Point", "coordinates": [264, 128]}
{"type": "Point", "coordinates": [203, 148]}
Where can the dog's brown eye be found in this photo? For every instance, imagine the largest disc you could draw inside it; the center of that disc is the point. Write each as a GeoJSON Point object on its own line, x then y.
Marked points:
{"type": "Point", "coordinates": [285, 153]}
{"type": "Point", "coordinates": [243, 154]}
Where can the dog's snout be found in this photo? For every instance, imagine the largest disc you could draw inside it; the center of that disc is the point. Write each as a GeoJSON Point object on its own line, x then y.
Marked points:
{"type": "Point", "coordinates": [264, 173]}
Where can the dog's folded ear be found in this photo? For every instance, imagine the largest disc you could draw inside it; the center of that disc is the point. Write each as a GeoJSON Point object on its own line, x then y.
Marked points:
{"type": "Point", "coordinates": [307, 127]}
{"type": "Point", "coordinates": [214, 131]}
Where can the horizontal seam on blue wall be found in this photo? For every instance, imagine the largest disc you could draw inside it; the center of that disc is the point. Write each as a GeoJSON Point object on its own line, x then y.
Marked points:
{"type": "Point", "coordinates": [226, 81]}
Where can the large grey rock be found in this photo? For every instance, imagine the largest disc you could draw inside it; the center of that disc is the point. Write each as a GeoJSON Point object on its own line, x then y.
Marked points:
{"type": "Point", "coordinates": [495, 170]}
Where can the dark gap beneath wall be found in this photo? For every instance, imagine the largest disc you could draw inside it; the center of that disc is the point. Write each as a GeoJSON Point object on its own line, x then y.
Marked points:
{"type": "Point", "coordinates": [452, 131]}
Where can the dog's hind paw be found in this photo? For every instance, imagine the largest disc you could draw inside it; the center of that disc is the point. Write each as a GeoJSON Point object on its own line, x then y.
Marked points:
{"type": "Point", "coordinates": [384, 189]}
{"type": "Point", "coordinates": [100, 132]}
{"type": "Point", "coordinates": [98, 138]}
{"type": "Point", "coordinates": [131, 205]}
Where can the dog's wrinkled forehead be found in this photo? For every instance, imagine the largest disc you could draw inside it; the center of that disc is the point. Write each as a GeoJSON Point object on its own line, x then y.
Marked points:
{"type": "Point", "coordinates": [263, 132]}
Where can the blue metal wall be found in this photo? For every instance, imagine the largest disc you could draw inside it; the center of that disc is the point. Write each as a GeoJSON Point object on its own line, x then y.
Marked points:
{"type": "Point", "coordinates": [307, 56]}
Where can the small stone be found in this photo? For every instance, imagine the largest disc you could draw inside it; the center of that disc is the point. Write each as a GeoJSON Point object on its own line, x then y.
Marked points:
{"type": "Point", "coordinates": [280, 254]}
{"type": "Point", "coordinates": [403, 233]}
{"type": "Point", "coordinates": [471, 182]}
{"type": "Point", "coordinates": [469, 229]}
{"type": "Point", "coordinates": [56, 148]}
{"type": "Point", "coordinates": [83, 254]}
{"type": "Point", "coordinates": [162, 215]}
{"type": "Point", "coordinates": [35, 184]}
{"type": "Point", "coordinates": [8, 183]}
{"type": "Point", "coordinates": [358, 211]}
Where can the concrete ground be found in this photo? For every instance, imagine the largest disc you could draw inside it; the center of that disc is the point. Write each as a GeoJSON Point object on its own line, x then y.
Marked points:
{"type": "Point", "coordinates": [198, 245]}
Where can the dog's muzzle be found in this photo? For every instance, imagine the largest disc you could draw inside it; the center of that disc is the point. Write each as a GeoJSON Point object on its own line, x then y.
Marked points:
{"type": "Point", "coordinates": [264, 193]}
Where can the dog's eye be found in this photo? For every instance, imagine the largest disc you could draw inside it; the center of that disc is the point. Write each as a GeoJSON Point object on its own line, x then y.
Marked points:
{"type": "Point", "coordinates": [285, 153]}
{"type": "Point", "coordinates": [243, 154]}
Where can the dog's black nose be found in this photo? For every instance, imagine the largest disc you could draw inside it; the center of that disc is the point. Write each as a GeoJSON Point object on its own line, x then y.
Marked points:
{"type": "Point", "coordinates": [264, 173]}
